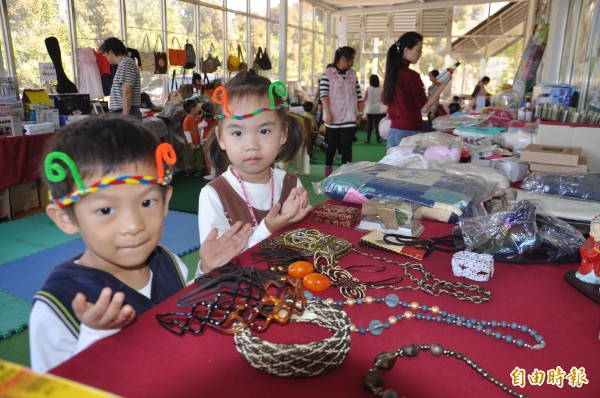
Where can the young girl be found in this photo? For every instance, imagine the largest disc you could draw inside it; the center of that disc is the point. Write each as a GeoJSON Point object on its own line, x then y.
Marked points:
{"type": "Point", "coordinates": [253, 131]}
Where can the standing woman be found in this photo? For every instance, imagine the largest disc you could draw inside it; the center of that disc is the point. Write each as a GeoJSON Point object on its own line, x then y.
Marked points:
{"type": "Point", "coordinates": [403, 89]}
{"type": "Point", "coordinates": [125, 94]}
{"type": "Point", "coordinates": [341, 97]}
{"type": "Point", "coordinates": [373, 107]}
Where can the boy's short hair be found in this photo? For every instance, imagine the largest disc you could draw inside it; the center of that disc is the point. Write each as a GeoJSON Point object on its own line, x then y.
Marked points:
{"type": "Point", "coordinates": [102, 143]}
{"type": "Point", "coordinates": [189, 104]}
{"type": "Point", "coordinates": [113, 44]}
{"type": "Point", "coordinates": [308, 106]}
{"type": "Point", "coordinates": [456, 98]}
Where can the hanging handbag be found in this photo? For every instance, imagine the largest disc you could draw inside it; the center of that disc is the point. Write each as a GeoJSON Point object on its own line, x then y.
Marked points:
{"type": "Point", "coordinates": [190, 56]}
{"type": "Point", "coordinates": [186, 89]}
{"type": "Point", "coordinates": [263, 59]}
{"type": "Point", "coordinates": [197, 81]}
{"type": "Point", "coordinates": [174, 95]}
{"type": "Point", "coordinates": [233, 61]}
{"type": "Point", "coordinates": [146, 56]}
{"type": "Point", "coordinates": [160, 57]}
{"type": "Point", "coordinates": [176, 55]}
{"type": "Point", "coordinates": [207, 87]}
{"type": "Point", "coordinates": [209, 64]}
{"type": "Point", "coordinates": [243, 66]}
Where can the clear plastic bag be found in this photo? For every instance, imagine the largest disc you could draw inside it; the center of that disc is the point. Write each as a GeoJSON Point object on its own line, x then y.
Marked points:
{"type": "Point", "coordinates": [525, 233]}
{"type": "Point", "coordinates": [575, 185]}
{"type": "Point", "coordinates": [449, 122]}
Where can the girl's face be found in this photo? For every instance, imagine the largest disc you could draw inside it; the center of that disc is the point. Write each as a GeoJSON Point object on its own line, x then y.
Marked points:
{"type": "Point", "coordinates": [413, 55]}
{"type": "Point", "coordinates": [252, 144]}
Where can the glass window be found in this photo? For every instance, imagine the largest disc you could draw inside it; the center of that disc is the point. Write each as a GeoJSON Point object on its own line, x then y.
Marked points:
{"type": "Point", "coordinates": [258, 7]}
{"type": "Point", "coordinates": [307, 15]}
{"type": "Point", "coordinates": [320, 61]}
{"type": "Point", "coordinates": [306, 61]}
{"type": "Point", "coordinates": [293, 12]}
{"type": "Point", "coordinates": [96, 21]}
{"type": "Point", "coordinates": [140, 22]}
{"type": "Point", "coordinates": [258, 37]}
{"type": "Point", "coordinates": [236, 27]}
{"type": "Point", "coordinates": [274, 48]}
{"type": "Point", "coordinates": [210, 31]}
{"type": "Point", "coordinates": [237, 5]}
{"type": "Point", "coordinates": [275, 9]}
{"type": "Point", "coordinates": [180, 26]}
{"type": "Point", "coordinates": [319, 19]}
{"type": "Point", "coordinates": [293, 53]}
{"type": "Point", "coordinates": [465, 18]}
{"type": "Point", "coordinates": [27, 32]}
{"type": "Point", "coordinates": [355, 44]}
{"type": "Point", "coordinates": [214, 2]}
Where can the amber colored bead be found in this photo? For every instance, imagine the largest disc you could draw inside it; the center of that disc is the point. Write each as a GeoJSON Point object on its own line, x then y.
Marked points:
{"type": "Point", "coordinates": [316, 282]}
{"type": "Point", "coordinates": [300, 269]}
{"type": "Point", "coordinates": [373, 379]}
{"type": "Point", "coordinates": [385, 360]}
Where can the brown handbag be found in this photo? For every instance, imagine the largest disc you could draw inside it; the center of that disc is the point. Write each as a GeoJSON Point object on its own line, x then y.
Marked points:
{"type": "Point", "coordinates": [160, 57]}
{"type": "Point", "coordinates": [243, 66]}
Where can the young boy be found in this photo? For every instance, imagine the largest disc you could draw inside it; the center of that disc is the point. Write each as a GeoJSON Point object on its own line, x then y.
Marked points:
{"type": "Point", "coordinates": [108, 182]}
{"type": "Point", "coordinates": [454, 106]}
{"type": "Point", "coordinates": [192, 149]}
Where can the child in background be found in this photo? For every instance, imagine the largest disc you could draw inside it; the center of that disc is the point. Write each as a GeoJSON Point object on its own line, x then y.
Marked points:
{"type": "Point", "coordinates": [208, 125]}
{"type": "Point", "coordinates": [109, 183]}
{"type": "Point", "coordinates": [253, 131]}
{"type": "Point", "coordinates": [194, 161]}
{"type": "Point", "coordinates": [455, 106]}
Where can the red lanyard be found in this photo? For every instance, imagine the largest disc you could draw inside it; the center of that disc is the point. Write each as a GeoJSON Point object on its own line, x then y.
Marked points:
{"type": "Point", "coordinates": [235, 173]}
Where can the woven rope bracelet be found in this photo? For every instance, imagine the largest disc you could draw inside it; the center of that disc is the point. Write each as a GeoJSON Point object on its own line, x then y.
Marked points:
{"type": "Point", "coordinates": [300, 360]}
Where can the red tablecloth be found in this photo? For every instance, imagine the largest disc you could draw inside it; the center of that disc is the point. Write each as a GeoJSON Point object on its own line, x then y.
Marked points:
{"type": "Point", "coordinates": [20, 159]}
{"type": "Point", "coordinates": [145, 360]}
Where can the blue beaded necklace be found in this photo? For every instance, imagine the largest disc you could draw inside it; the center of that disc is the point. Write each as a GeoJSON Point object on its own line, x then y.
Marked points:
{"type": "Point", "coordinates": [433, 313]}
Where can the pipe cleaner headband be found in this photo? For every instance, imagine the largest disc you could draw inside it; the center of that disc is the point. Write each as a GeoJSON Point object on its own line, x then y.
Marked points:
{"type": "Point", "coordinates": [220, 97]}
{"type": "Point", "coordinates": [56, 173]}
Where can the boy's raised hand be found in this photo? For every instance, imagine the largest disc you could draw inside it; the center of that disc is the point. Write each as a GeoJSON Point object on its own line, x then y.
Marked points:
{"type": "Point", "coordinates": [216, 252]}
{"type": "Point", "coordinates": [107, 313]}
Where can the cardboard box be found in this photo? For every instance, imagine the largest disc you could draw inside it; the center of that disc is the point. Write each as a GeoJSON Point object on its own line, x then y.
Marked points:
{"type": "Point", "coordinates": [38, 128]}
{"type": "Point", "coordinates": [45, 116]}
{"type": "Point", "coordinates": [72, 104]}
{"type": "Point", "coordinates": [35, 97]}
{"type": "Point", "coordinates": [64, 119]}
{"type": "Point", "coordinates": [577, 135]}
{"type": "Point", "coordinates": [551, 154]}
{"type": "Point", "coordinates": [582, 167]}
{"type": "Point", "coordinates": [10, 125]}
{"type": "Point", "coordinates": [14, 108]}
{"type": "Point", "coordinates": [23, 198]}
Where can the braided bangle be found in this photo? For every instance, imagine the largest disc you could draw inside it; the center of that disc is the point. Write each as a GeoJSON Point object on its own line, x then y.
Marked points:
{"type": "Point", "coordinates": [300, 360]}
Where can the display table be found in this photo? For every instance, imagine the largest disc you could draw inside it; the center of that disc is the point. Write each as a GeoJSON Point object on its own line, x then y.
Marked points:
{"type": "Point", "coordinates": [20, 158]}
{"type": "Point", "coordinates": [146, 360]}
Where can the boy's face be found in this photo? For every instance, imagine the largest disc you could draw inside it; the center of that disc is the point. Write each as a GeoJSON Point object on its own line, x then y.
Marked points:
{"type": "Point", "coordinates": [252, 144]}
{"type": "Point", "coordinates": [121, 224]}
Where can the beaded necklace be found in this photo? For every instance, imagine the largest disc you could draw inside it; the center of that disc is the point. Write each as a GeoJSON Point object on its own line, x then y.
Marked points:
{"type": "Point", "coordinates": [235, 173]}
{"type": "Point", "coordinates": [433, 313]}
{"type": "Point", "coordinates": [373, 380]}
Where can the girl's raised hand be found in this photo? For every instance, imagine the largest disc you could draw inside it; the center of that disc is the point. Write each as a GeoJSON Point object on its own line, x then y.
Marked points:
{"type": "Point", "coordinates": [216, 252]}
{"type": "Point", "coordinates": [293, 210]}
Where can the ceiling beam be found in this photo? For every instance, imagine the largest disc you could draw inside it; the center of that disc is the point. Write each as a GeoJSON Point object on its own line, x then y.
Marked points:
{"type": "Point", "coordinates": [412, 5]}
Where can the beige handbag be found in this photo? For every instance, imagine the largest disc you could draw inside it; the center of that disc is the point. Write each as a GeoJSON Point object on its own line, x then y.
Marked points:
{"type": "Point", "coordinates": [146, 56]}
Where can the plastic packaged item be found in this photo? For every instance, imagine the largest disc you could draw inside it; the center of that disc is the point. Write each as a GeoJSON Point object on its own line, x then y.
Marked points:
{"type": "Point", "coordinates": [445, 197]}
{"type": "Point", "coordinates": [578, 185]}
{"type": "Point", "coordinates": [431, 152]}
{"type": "Point", "coordinates": [525, 233]}
{"type": "Point", "coordinates": [511, 166]}
{"type": "Point", "coordinates": [568, 209]}
{"type": "Point", "coordinates": [432, 138]}
{"type": "Point", "coordinates": [450, 122]}
{"type": "Point", "coordinates": [489, 174]}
